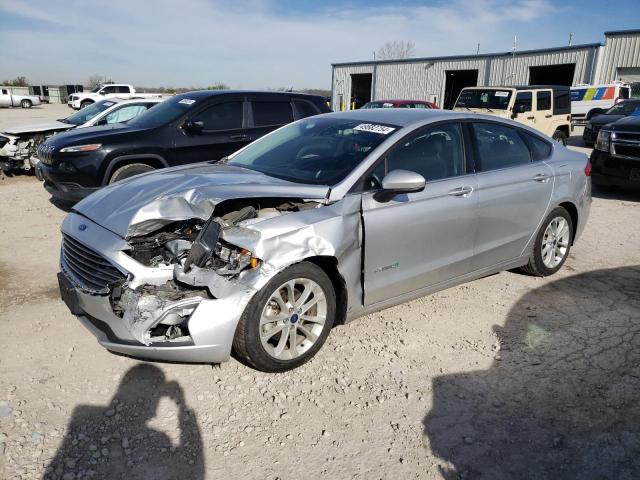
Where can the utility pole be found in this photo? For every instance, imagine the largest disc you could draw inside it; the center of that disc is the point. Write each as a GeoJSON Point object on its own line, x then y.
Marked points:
{"type": "Point", "coordinates": [478, 50]}
{"type": "Point", "coordinates": [570, 38]}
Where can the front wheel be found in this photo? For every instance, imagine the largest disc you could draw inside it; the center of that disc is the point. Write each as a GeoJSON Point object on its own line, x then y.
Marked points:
{"type": "Point", "coordinates": [130, 170]}
{"type": "Point", "coordinates": [85, 105]}
{"type": "Point", "coordinates": [552, 245]}
{"type": "Point", "coordinates": [26, 104]}
{"type": "Point", "coordinates": [287, 321]}
{"type": "Point", "coordinates": [560, 136]}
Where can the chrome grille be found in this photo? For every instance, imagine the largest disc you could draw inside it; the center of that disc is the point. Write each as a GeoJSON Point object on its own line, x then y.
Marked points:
{"type": "Point", "coordinates": [45, 153]}
{"type": "Point", "coordinates": [85, 267]}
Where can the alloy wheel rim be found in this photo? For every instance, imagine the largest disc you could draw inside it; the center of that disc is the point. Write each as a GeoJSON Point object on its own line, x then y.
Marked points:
{"type": "Point", "coordinates": [555, 242]}
{"type": "Point", "coordinates": [293, 318]}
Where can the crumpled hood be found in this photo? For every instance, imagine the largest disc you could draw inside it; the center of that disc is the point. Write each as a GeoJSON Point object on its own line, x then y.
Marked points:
{"type": "Point", "coordinates": [38, 127]}
{"type": "Point", "coordinates": [145, 203]}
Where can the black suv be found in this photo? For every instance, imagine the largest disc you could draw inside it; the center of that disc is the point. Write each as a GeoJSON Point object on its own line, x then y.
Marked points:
{"type": "Point", "coordinates": [615, 160]}
{"type": "Point", "coordinates": [191, 127]}
{"type": "Point", "coordinates": [618, 111]}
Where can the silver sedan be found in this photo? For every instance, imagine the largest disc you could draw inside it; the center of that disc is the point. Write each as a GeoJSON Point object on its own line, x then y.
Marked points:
{"type": "Point", "coordinates": [320, 222]}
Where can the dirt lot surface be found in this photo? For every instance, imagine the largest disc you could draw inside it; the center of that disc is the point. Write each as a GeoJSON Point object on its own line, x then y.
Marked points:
{"type": "Point", "coordinates": [507, 377]}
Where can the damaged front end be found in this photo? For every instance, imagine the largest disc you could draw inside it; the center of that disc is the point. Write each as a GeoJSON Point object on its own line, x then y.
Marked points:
{"type": "Point", "coordinates": [191, 267]}
{"type": "Point", "coordinates": [18, 152]}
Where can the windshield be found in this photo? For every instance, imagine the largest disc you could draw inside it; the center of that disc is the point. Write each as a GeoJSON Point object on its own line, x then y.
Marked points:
{"type": "Point", "coordinates": [165, 112]}
{"type": "Point", "coordinates": [89, 112]}
{"type": "Point", "coordinates": [96, 89]}
{"type": "Point", "coordinates": [484, 98]}
{"type": "Point", "coordinates": [378, 105]}
{"type": "Point", "coordinates": [625, 108]}
{"type": "Point", "coordinates": [321, 151]}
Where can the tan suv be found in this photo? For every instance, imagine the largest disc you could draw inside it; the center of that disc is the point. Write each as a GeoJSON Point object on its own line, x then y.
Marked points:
{"type": "Point", "coordinates": [545, 108]}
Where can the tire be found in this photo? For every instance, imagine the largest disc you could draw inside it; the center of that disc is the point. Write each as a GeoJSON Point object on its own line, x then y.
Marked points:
{"type": "Point", "coordinates": [26, 103]}
{"type": "Point", "coordinates": [85, 104]}
{"type": "Point", "coordinates": [130, 170]}
{"type": "Point", "coordinates": [538, 265]}
{"type": "Point", "coordinates": [560, 136]}
{"type": "Point", "coordinates": [252, 343]}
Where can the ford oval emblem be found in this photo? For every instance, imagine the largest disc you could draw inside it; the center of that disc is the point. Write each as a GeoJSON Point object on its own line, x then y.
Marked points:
{"type": "Point", "coordinates": [82, 227]}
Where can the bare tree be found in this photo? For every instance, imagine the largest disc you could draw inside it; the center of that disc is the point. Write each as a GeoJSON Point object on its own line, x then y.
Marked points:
{"type": "Point", "coordinates": [396, 50]}
{"type": "Point", "coordinates": [97, 80]}
{"type": "Point", "coordinates": [17, 82]}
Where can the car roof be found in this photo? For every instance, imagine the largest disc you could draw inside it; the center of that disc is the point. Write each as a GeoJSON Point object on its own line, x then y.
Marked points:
{"type": "Point", "coordinates": [204, 94]}
{"type": "Point", "coordinates": [520, 87]}
{"type": "Point", "coordinates": [401, 117]}
{"type": "Point", "coordinates": [399, 102]}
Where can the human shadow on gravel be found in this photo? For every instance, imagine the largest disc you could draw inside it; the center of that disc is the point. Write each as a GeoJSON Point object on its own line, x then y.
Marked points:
{"type": "Point", "coordinates": [562, 399]}
{"type": "Point", "coordinates": [115, 442]}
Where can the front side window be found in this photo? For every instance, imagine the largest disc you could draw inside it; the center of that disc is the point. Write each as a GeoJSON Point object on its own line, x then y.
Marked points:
{"type": "Point", "coordinates": [109, 89]}
{"type": "Point", "coordinates": [435, 153]}
{"type": "Point", "coordinates": [522, 102]}
{"type": "Point", "coordinates": [271, 113]}
{"type": "Point", "coordinates": [543, 99]}
{"type": "Point", "coordinates": [125, 113]}
{"type": "Point", "coordinates": [499, 146]}
{"type": "Point", "coordinates": [321, 151]}
{"type": "Point", "coordinates": [223, 116]}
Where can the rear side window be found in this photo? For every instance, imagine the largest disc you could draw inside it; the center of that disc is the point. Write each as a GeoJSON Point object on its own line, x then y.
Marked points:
{"type": "Point", "coordinates": [499, 147]}
{"type": "Point", "coordinates": [123, 89]}
{"type": "Point", "coordinates": [562, 102]}
{"type": "Point", "coordinates": [5, 92]}
{"type": "Point", "coordinates": [271, 113]}
{"type": "Point", "coordinates": [543, 99]}
{"type": "Point", "coordinates": [539, 148]}
{"type": "Point", "coordinates": [305, 109]}
{"type": "Point", "coordinates": [522, 98]}
{"type": "Point", "coordinates": [223, 116]}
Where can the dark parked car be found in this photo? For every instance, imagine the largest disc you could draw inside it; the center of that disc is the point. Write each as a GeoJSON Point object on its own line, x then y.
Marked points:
{"type": "Point", "coordinates": [615, 160]}
{"type": "Point", "coordinates": [618, 111]}
{"type": "Point", "coordinates": [188, 128]}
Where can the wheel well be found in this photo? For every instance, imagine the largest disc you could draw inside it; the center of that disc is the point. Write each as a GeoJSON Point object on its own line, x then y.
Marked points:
{"type": "Point", "coordinates": [151, 161]}
{"type": "Point", "coordinates": [564, 129]}
{"type": "Point", "coordinates": [330, 267]}
{"type": "Point", "coordinates": [593, 112]}
{"type": "Point", "coordinates": [573, 213]}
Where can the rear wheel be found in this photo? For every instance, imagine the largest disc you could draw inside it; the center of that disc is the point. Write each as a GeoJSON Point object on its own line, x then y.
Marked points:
{"type": "Point", "coordinates": [552, 245]}
{"type": "Point", "coordinates": [130, 170]}
{"type": "Point", "coordinates": [286, 322]}
{"type": "Point", "coordinates": [26, 103]}
{"type": "Point", "coordinates": [560, 136]}
{"type": "Point", "coordinates": [85, 104]}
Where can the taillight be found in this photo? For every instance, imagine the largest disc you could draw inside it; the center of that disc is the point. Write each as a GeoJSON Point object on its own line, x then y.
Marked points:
{"type": "Point", "coordinates": [587, 168]}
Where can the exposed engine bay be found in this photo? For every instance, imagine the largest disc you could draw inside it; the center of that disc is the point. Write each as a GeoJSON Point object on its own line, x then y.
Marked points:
{"type": "Point", "coordinates": [193, 262]}
{"type": "Point", "coordinates": [18, 152]}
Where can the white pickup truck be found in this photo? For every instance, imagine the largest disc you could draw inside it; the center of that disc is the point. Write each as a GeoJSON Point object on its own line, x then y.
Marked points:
{"type": "Point", "coordinates": [84, 99]}
{"type": "Point", "coordinates": [7, 99]}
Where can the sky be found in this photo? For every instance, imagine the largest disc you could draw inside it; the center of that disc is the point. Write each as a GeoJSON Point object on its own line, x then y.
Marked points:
{"type": "Point", "coordinates": [273, 43]}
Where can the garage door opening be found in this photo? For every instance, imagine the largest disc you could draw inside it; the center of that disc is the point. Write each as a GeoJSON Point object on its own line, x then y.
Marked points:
{"type": "Point", "coordinates": [455, 81]}
{"type": "Point", "coordinates": [360, 89]}
{"type": "Point", "coordinates": [552, 74]}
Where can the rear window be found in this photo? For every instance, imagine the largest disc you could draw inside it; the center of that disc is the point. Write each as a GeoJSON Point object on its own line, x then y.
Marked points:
{"type": "Point", "coordinates": [271, 113]}
{"type": "Point", "coordinates": [305, 109]}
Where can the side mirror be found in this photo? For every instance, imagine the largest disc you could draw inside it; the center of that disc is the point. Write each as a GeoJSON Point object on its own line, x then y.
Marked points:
{"type": "Point", "coordinates": [403, 181]}
{"type": "Point", "coordinates": [102, 92]}
{"type": "Point", "coordinates": [193, 125]}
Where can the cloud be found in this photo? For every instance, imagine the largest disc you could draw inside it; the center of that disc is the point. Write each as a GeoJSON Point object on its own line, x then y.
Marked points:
{"type": "Point", "coordinates": [247, 43]}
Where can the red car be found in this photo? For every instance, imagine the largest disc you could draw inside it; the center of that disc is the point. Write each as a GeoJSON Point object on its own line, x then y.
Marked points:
{"type": "Point", "coordinates": [399, 104]}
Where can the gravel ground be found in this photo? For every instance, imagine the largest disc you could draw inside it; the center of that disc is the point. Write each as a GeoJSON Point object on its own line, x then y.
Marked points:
{"type": "Point", "coordinates": [506, 377]}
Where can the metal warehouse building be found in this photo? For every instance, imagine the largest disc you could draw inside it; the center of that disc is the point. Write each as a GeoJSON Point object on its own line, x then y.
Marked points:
{"type": "Point", "coordinates": [440, 79]}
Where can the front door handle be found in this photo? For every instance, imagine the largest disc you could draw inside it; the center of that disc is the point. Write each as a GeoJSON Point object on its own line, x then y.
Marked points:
{"type": "Point", "coordinates": [461, 191]}
{"type": "Point", "coordinates": [240, 136]}
{"type": "Point", "coordinates": [541, 177]}
{"type": "Point", "coordinates": [531, 118]}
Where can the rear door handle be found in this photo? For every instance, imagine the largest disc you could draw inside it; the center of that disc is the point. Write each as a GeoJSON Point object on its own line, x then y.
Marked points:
{"type": "Point", "coordinates": [461, 191]}
{"type": "Point", "coordinates": [531, 118]}
{"type": "Point", "coordinates": [548, 116]}
{"type": "Point", "coordinates": [541, 177]}
{"type": "Point", "coordinates": [240, 136]}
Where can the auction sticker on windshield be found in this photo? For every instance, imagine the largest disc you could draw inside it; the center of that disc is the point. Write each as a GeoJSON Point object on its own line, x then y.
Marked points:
{"type": "Point", "coordinates": [372, 128]}
{"type": "Point", "coordinates": [108, 104]}
{"type": "Point", "coordinates": [187, 101]}
{"type": "Point", "coordinates": [501, 94]}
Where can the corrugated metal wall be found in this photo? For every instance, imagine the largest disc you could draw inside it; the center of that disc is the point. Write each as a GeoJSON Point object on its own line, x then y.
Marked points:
{"type": "Point", "coordinates": [424, 78]}
{"type": "Point", "coordinates": [620, 51]}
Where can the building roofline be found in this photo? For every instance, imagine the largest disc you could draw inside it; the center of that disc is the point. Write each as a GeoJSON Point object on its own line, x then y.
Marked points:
{"type": "Point", "coordinates": [613, 33]}
{"type": "Point", "coordinates": [464, 57]}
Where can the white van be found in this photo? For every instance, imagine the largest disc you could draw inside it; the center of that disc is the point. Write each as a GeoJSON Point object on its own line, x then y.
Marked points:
{"type": "Point", "coordinates": [590, 100]}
